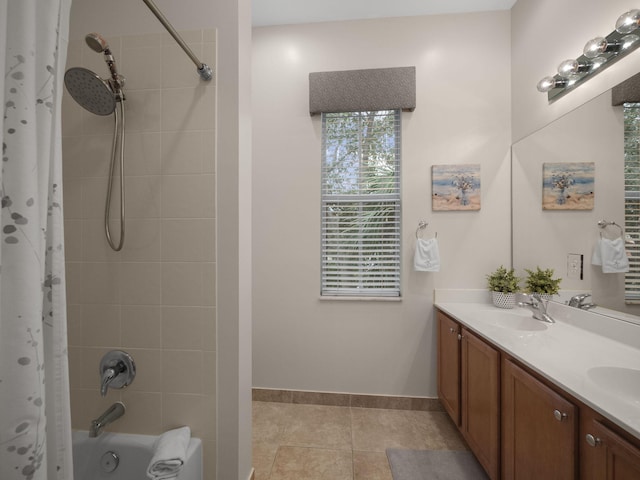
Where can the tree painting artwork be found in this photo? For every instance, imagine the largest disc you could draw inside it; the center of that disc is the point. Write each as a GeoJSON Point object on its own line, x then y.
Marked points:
{"type": "Point", "coordinates": [568, 186]}
{"type": "Point", "coordinates": [455, 187]}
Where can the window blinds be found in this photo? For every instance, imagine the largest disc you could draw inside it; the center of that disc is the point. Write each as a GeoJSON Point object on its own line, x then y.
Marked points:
{"type": "Point", "coordinates": [632, 199]}
{"type": "Point", "coordinates": [361, 203]}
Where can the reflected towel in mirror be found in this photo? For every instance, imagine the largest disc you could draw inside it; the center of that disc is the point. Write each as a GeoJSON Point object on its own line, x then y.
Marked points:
{"type": "Point", "coordinates": [611, 255]}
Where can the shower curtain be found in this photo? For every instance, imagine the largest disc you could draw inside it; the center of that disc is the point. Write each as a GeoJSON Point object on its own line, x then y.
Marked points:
{"type": "Point", "coordinates": [35, 425]}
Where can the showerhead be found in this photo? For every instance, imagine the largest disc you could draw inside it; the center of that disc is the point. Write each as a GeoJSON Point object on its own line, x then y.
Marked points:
{"type": "Point", "coordinates": [90, 91]}
{"type": "Point", "coordinates": [96, 42]}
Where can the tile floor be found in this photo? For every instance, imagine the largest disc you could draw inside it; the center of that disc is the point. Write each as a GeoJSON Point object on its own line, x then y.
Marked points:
{"type": "Point", "coordinates": [316, 442]}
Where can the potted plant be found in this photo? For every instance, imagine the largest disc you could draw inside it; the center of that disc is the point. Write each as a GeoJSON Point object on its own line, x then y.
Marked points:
{"type": "Point", "coordinates": [542, 282]}
{"type": "Point", "coordinates": [503, 285]}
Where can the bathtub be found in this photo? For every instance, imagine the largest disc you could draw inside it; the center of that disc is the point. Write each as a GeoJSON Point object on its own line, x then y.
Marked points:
{"type": "Point", "coordinates": [93, 457]}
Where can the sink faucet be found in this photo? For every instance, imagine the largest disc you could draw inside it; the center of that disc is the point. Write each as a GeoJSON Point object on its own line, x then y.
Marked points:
{"type": "Point", "coordinates": [577, 301]}
{"type": "Point", "coordinates": [110, 415]}
{"type": "Point", "coordinates": [539, 308]}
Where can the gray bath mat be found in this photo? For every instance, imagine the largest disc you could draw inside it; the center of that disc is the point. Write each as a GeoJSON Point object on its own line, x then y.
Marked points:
{"type": "Point", "coordinates": [434, 465]}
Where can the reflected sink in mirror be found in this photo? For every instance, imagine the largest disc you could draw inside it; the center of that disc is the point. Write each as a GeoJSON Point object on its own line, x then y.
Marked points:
{"type": "Point", "coordinates": [516, 319]}
{"type": "Point", "coordinates": [623, 382]}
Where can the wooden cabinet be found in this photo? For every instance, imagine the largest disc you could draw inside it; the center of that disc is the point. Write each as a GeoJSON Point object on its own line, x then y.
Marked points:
{"type": "Point", "coordinates": [605, 454]}
{"type": "Point", "coordinates": [480, 403]}
{"type": "Point", "coordinates": [449, 366]}
{"type": "Point", "coordinates": [469, 389]}
{"type": "Point", "coordinates": [521, 426]}
{"type": "Point", "coordinates": [539, 429]}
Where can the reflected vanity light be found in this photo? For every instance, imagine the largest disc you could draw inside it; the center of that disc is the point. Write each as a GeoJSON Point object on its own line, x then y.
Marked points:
{"type": "Point", "coordinates": [598, 53]}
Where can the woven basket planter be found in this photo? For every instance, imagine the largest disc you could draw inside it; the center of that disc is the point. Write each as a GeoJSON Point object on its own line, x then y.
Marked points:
{"type": "Point", "coordinates": [504, 300]}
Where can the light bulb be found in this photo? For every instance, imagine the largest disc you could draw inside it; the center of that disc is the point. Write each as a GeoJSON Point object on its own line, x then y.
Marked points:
{"type": "Point", "coordinates": [599, 45]}
{"type": "Point", "coordinates": [595, 47]}
{"type": "Point", "coordinates": [628, 22]}
{"type": "Point", "coordinates": [629, 40]}
{"type": "Point", "coordinates": [571, 68]}
{"type": "Point", "coordinates": [549, 83]}
{"type": "Point", "coordinates": [598, 62]}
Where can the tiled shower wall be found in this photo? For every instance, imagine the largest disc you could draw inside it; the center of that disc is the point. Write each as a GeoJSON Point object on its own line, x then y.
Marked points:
{"type": "Point", "coordinates": [156, 298]}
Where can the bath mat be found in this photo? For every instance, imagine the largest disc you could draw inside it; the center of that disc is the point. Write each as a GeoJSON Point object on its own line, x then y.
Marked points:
{"type": "Point", "coordinates": [434, 465]}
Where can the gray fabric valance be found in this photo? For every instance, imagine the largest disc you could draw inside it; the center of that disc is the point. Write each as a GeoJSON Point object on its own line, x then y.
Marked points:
{"type": "Point", "coordinates": [627, 91]}
{"type": "Point", "coordinates": [362, 90]}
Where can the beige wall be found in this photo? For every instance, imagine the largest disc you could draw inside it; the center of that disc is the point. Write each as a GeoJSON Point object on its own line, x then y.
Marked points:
{"type": "Point", "coordinates": [462, 116]}
{"type": "Point", "coordinates": [543, 34]}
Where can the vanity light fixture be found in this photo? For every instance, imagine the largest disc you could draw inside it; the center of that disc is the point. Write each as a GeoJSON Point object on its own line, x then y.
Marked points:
{"type": "Point", "coordinates": [598, 53]}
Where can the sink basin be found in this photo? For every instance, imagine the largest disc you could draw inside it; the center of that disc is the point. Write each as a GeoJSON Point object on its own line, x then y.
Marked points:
{"type": "Point", "coordinates": [618, 380]}
{"type": "Point", "coordinates": [515, 320]}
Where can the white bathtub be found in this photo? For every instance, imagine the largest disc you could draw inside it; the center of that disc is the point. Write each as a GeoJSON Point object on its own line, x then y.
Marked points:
{"type": "Point", "coordinates": [134, 453]}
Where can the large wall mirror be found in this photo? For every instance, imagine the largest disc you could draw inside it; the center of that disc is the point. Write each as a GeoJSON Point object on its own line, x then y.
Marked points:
{"type": "Point", "coordinates": [594, 132]}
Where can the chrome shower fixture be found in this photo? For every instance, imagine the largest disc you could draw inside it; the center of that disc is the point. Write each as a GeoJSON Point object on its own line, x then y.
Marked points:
{"type": "Point", "coordinates": [204, 70]}
{"type": "Point", "coordinates": [90, 91]}
{"type": "Point", "coordinates": [100, 97]}
{"type": "Point", "coordinates": [97, 43]}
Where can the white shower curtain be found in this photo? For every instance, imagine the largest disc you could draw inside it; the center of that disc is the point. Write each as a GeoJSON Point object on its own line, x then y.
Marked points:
{"type": "Point", "coordinates": [35, 425]}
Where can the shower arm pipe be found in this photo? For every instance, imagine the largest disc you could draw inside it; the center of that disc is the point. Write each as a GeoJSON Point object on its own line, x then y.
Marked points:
{"type": "Point", "coordinates": [204, 70]}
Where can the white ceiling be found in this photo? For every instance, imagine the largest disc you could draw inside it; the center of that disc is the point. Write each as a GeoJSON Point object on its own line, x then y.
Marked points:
{"type": "Point", "coordinates": [283, 12]}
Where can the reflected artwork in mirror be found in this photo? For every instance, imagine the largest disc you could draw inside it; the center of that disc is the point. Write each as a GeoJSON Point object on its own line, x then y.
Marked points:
{"type": "Point", "coordinates": [592, 133]}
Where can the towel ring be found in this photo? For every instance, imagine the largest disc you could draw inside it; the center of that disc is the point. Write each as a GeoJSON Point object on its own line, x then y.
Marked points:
{"type": "Point", "coordinates": [421, 226]}
{"type": "Point", "coordinates": [605, 223]}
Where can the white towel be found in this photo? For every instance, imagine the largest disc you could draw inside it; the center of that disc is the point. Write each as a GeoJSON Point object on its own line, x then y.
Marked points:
{"type": "Point", "coordinates": [169, 454]}
{"type": "Point", "coordinates": [596, 258]}
{"type": "Point", "coordinates": [611, 255]}
{"type": "Point", "coordinates": [427, 256]}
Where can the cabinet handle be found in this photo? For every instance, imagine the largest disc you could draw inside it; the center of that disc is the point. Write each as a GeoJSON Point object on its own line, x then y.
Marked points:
{"type": "Point", "coordinates": [592, 441]}
{"type": "Point", "coordinates": [560, 416]}
{"type": "Point", "coordinates": [460, 336]}
{"type": "Point", "coordinates": [452, 330]}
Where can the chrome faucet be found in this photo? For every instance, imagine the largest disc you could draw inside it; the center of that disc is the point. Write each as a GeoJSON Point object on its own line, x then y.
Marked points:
{"type": "Point", "coordinates": [117, 370]}
{"type": "Point", "coordinates": [110, 415]}
{"type": "Point", "coordinates": [577, 301]}
{"type": "Point", "coordinates": [538, 307]}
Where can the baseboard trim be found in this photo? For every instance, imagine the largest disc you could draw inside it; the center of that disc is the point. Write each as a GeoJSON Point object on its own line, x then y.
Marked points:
{"type": "Point", "coordinates": [346, 399]}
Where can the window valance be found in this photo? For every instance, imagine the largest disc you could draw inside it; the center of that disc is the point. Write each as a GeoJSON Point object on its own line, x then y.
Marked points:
{"type": "Point", "coordinates": [362, 90]}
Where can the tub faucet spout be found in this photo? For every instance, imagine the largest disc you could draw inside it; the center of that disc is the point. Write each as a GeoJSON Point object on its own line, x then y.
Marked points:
{"type": "Point", "coordinates": [110, 415]}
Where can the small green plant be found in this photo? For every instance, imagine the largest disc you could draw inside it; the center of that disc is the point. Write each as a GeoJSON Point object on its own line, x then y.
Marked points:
{"type": "Point", "coordinates": [503, 280]}
{"type": "Point", "coordinates": [542, 281]}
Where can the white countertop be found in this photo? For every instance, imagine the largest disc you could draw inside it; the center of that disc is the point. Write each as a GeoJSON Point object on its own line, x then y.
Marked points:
{"type": "Point", "coordinates": [595, 359]}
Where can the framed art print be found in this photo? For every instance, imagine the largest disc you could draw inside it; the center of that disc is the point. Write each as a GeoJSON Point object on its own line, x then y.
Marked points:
{"type": "Point", "coordinates": [455, 187]}
{"type": "Point", "coordinates": [568, 186]}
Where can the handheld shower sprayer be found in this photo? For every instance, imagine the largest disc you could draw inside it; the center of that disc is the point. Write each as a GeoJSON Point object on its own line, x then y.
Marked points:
{"type": "Point", "coordinates": [98, 44]}
{"type": "Point", "coordinates": [104, 97]}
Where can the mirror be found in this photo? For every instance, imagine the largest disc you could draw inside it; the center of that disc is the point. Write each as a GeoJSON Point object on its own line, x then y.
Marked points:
{"type": "Point", "coordinates": [592, 132]}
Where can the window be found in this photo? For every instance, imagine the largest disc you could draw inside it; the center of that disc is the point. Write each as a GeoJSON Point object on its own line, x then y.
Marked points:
{"type": "Point", "coordinates": [632, 199]}
{"type": "Point", "coordinates": [361, 204]}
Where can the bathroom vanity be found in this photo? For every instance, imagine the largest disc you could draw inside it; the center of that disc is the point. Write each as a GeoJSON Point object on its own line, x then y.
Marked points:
{"type": "Point", "coordinates": [537, 400]}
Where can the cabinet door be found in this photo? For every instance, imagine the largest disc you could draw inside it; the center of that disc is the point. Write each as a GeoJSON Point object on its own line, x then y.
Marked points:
{"type": "Point", "coordinates": [481, 401]}
{"type": "Point", "coordinates": [539, 429]}
{"type": "Point", "coordinates": [610, 457]}
{"type": "Point", "coordinates": [449, 366]}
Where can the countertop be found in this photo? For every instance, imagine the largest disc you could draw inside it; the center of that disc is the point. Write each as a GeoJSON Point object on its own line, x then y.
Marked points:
{"type": "Point", "coordinates": [595, 359]}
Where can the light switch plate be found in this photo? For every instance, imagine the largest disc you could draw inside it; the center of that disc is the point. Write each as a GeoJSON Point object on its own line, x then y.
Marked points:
{"type": "Point", "coordinates": [575, 265]}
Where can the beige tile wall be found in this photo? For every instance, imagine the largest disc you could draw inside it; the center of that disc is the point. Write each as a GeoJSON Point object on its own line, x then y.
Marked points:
{"type": "Point", "coordinates": [156, 298]}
